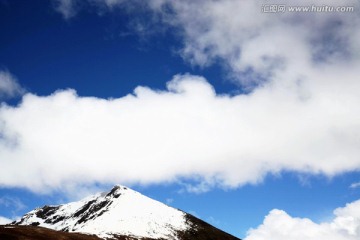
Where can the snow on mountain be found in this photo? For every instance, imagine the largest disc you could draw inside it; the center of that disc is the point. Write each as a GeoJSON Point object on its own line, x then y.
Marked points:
{"type": "Point", "coordinates": [122, 211]}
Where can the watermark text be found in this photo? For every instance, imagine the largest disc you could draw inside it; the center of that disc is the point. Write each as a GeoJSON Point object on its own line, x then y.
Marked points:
{"type": "Point", "coordinates": [282, 8]}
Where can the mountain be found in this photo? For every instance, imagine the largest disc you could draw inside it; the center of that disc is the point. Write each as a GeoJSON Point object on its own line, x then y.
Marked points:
{"type": "Point", "coordinates": [123, 213]}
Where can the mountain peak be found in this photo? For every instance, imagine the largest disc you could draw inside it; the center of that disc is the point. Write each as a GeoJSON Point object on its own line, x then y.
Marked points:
{"type": "Point", "coordinates": [116, 191]}
{"type": "Point", "coordinates": [119, 212]}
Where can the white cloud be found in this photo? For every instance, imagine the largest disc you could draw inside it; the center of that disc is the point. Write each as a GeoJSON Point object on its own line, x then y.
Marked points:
{"type": "Point", "coordinates": [188, 131]}
{"type": "Point", "coordinates": [355, 185]}
{"type": "Point", "coordinates": [13, 203]}
{"type": "Point", "coordinates": [256, 47]}
{"type": "Point", "coordinates": [4, 220]}
{"type": "Point", "coordinates": [68, 8]}
{"type": "Point", "coordinates": [9, 87]}
{"type": "Point", "coordinates": [16, 203]}
{"type": "Point", "coordinates": [283, 47]}
{"type": "Point", "coordinates": [279, 225]}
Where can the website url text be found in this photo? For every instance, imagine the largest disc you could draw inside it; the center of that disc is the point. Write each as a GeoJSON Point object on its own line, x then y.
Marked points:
{"type": "Point", "coordinates": [282, 8]}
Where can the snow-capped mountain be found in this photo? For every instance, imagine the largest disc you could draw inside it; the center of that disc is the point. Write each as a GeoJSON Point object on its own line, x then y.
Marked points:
{"type": "Point", "coordinates": [118, 213]}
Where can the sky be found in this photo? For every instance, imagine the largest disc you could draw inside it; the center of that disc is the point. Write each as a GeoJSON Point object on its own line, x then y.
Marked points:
{"type": "Point", "coordinates": [238, 112]}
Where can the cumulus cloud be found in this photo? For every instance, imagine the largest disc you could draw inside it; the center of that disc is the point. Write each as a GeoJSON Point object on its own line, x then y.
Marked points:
{"type": "Point", "coordinates": [184, 132]}
{"type": "Point", "coordinates": [9, 86]}
{"type": "Point", "coordinates": [4, 220]}
{"type": "Point", "coordinates": [279, 225]}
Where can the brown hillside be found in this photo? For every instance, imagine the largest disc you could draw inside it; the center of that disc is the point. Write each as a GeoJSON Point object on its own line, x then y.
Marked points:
{"type": "Point", "coordinates": [39, 233]}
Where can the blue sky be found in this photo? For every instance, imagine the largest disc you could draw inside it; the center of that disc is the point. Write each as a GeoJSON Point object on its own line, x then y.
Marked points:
{"type": "Point", "coordinates": [198, 105]}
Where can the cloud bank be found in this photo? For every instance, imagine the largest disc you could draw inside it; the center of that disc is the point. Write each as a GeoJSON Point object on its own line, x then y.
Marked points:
{"type": "Point", "coordinates": [279, 225]}
{"type": "Point", "coordinates": [187, 131]}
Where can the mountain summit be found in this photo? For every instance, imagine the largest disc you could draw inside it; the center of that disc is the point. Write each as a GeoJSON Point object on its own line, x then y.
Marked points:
{"type": "Point", "coordinates": [122, 213]}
